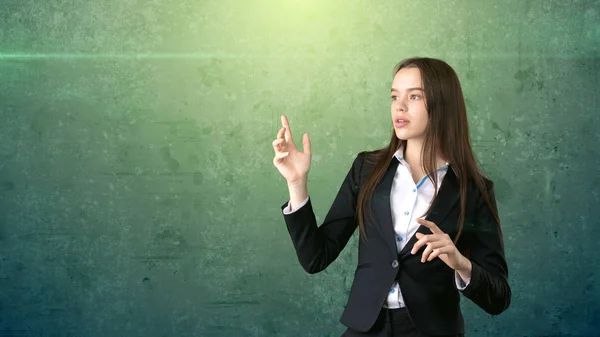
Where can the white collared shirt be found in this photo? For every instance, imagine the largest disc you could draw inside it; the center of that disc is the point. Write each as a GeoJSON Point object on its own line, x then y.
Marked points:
{"type": "Point", "coordinates": [409, 201]}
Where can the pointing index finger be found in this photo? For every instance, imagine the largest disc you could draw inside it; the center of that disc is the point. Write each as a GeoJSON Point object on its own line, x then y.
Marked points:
{"type": "Point", "coordinates": [288, 131]}
{"type": "Point", "coordinates": [432, 226]}
{"type": "Point", "coordinates": [284, 122]}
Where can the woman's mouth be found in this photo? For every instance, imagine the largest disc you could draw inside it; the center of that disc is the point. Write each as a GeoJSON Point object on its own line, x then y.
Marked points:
{"type": "Point", "coordinates": [398, 123]}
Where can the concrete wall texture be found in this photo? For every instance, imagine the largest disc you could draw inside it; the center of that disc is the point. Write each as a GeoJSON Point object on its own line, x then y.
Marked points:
{"type": "Point", "coordinates": [137, 191]}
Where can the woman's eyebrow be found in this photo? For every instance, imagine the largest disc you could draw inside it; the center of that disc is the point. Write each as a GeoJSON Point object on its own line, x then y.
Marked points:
{"type": "Point", "coordinates": [408, 89]}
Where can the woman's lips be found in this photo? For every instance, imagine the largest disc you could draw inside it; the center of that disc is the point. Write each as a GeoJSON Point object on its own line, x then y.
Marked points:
{"type": "Point", "coordinates": [398, 124]}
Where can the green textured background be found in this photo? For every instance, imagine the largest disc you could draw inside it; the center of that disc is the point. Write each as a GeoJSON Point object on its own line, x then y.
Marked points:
{"type": "Point", "coordinates": [137, 191]}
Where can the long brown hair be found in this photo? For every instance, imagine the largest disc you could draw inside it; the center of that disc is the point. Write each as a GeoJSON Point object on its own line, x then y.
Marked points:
{"type": "Point", "coordinates": [447, 134]}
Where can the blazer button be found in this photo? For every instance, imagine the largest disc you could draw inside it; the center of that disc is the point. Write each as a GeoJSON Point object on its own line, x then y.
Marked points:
{"type": "Point", "coordinates": [395, 263]}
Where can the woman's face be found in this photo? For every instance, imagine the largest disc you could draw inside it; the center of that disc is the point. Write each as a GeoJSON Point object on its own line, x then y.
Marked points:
{"type": "Point", "coordinates": [408, 105]}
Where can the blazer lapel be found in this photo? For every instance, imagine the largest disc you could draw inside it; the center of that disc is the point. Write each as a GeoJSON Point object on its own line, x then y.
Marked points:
{"type": "Point", "coordinates": [382, 208]}
{"type": "Point", "coordinates": [447, 197]}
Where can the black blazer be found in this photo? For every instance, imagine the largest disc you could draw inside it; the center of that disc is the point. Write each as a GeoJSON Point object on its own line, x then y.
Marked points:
{"type": "Point", "coordinates": [428, 289]}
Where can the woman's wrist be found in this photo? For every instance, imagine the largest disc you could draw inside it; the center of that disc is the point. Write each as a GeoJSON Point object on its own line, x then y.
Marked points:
{"type": "Point", "coordinates": [465, 268]}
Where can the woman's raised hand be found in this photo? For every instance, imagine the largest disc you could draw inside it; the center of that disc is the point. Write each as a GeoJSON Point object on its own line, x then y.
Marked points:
{"type": "Point", "coordinates": [292, 163]}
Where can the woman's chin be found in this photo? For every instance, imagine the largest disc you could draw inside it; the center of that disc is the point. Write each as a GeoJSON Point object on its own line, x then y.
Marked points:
{"type": "Point", "coordinates": [405, 135]}
{"type": "Point", "coordinates": [402, 135]}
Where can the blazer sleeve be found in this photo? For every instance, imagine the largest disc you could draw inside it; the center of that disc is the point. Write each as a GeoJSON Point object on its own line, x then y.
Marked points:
{"type": "Point", "coordinates": [488, 288]}
{"type": "Point", "coordinates": [318, 246]}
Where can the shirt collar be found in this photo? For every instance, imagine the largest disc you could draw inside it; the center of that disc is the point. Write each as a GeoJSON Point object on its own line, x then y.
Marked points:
{"type": "Point", "coordinates": [400, 157]}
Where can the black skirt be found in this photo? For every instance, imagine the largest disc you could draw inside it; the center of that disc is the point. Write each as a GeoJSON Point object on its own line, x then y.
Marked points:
{"type": "Point", "coordinates": [391, 323]}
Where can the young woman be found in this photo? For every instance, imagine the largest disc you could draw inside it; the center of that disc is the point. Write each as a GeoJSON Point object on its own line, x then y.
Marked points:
{"type": "Point", "coordinates": [428, 220]}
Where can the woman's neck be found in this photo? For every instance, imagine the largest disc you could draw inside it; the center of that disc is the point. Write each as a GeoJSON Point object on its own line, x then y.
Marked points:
{"type": "Point", "coordinates": [412, 154]}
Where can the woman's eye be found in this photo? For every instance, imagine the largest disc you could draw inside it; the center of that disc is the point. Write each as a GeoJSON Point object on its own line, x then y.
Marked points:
{"type": "Point", "coordinates": [415, 96]}
{"type": "Point", "coordinates": [394, 98]}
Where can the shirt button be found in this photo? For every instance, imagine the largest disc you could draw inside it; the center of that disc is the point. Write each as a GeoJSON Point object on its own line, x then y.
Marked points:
{"type": "Point", "coordinates": [399, 238]}
{"type": "Point", "coordinates": [392, 291]}
{"type": "Point", "coordinates": [395, 264]}
{"type": "Point", "coordinates": [406, 213]}
{"type": "Point", "coordinates": [414, 189]}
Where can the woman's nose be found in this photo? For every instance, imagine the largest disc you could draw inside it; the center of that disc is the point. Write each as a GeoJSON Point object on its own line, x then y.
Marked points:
{"type": "Point", "coordinates": [399, 106]}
